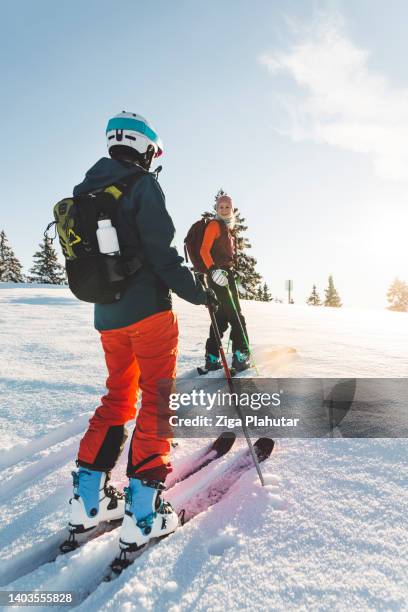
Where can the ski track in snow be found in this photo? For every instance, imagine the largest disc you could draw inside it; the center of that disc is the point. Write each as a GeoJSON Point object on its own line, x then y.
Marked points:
{"type": "Point", "coordinates": [19, 452]}
{"type": "Point", "coordinates": [202, 491]}
{"type": "Point", "coordinates": [327, 530]}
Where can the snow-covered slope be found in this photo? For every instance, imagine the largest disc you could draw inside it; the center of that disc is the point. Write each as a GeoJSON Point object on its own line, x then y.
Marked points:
{"type": "Point", "coordinates": [328, 530]}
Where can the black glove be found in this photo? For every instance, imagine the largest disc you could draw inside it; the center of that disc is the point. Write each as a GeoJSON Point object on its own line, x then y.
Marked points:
{"type": "Point", "coordinates": [212, 300]}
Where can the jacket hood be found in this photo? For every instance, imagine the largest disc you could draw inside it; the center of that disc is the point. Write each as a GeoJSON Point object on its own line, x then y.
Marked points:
{"type": "Point", "coordinates": [105, 172]}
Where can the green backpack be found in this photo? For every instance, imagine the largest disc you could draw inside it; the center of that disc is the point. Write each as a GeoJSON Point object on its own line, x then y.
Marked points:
{"type": "Point", "coordinates": [93, 276]}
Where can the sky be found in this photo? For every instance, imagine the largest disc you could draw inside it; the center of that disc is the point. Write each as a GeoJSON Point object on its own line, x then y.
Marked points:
{"type": "Point", "coordinates": [299, 110]}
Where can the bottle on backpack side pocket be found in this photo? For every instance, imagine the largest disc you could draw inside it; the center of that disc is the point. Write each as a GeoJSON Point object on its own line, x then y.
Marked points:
{"type": "Point", "coordinates": [109, 246]}
{"type": "Point", "coordinates": [107, 238]}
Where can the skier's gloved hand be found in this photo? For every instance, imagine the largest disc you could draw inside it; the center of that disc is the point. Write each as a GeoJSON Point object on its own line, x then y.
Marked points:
{"type": "Point", "coordinates": [219, 277]}
{"type": "Point", "coordinates": [212, 299]}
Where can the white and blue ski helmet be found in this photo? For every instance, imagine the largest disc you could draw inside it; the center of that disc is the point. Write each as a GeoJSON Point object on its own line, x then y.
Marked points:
{"type": "Point", "coordinates": [134, 131]}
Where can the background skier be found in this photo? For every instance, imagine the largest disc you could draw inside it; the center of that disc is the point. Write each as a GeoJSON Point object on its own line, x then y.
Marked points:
{"type": "Point", "coordinates": [217, 252]}
{"type": "Point", "coordinates": [139, 337]}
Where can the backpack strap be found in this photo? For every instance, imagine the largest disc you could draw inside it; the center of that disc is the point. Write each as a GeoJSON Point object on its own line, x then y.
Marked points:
{"type": "Point", "coordinates": [130, 265]}
{"type": "Point", "coordinates": [124, 187]}
{"type": "Point", "coordinates": [120, 188]}
{"type": "Point", "coordinates": [223, 226]}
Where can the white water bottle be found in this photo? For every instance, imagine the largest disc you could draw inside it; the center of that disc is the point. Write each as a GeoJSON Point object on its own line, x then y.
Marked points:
{"type": "Point", "coordinates": [107, 238]}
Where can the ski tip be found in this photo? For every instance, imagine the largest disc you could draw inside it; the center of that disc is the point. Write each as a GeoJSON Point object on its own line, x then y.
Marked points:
{"type": "Point", "coordinates": [224, 442]}
{"type": "Point", "coordinates": [264, 448]}
{"type": "Point", "coordinates": [228, 434]}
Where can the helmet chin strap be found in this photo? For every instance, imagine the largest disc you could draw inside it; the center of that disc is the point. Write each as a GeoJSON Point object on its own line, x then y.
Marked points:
{"type": "Point", "coordinates": [149, 156]}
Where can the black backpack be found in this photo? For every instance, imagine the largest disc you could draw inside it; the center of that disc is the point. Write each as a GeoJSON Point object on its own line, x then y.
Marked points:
{"type": "Point", "coordinates": [92, 276]}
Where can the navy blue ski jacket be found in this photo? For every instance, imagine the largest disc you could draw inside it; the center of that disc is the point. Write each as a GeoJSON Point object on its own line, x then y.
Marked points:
{"type": "Point", "coordinates": [143, 226]}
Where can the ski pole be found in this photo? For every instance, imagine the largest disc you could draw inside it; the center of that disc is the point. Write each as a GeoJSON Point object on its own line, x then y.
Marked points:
{"type": "Point", "coordinates": [232, 391]}
{"type": "Point", "coordinates": [241, 326]}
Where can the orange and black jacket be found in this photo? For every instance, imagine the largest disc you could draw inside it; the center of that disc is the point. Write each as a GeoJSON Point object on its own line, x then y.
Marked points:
{"type": "Point", "coordinates": [218, 247]}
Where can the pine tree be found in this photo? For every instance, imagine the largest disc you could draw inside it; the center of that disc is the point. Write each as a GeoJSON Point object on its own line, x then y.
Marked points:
{"type": "Point", "coordinates": [266, 295]}
{"type": "Point", "coordinates": [314, 298]}
{"type": "Point", "coordinates": [332, 297]}
{"type": "Point", "coordinates": [259, 293]}
{"type": "Point", "coordinates": [46, 268]}
{"type": "Point", "coordinates": [397, 296]}
{"type": "Point", "coordinates": [244, 265]}
{"type": "Point", "coordinates": [10, 267]}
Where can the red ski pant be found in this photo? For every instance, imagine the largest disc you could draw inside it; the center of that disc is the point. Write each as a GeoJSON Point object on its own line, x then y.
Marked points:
{"type": "Point", "coordinates": [142, 357]}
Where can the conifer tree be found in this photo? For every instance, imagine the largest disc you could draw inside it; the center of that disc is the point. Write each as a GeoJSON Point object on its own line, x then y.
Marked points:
{"type": "Point", "coordinates": [266, 294]}
{"type": "Point", "coordinates": [332, 297]}
{"type": "Point", "coordinates": [248, 278]}
{"type": "Point", "coordinates": [10, 267]}
{"type": "Point", "coordinates": [259, 293]}
{"type": "Point", "coordinates": [46, 268]}
{"type": "Point", "coordinates": [397, 296]}
{"type": "Point", "coordinates": [314, 298]}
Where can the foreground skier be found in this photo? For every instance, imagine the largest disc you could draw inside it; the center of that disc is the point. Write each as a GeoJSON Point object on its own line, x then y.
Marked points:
{"type": "Point", "coordinates": [139, 336]}
{"type": "Point", "coordinates": [217, 252]}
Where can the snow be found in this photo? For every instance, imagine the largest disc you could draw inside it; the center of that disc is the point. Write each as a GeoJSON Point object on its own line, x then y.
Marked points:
{"type": "Point", "coordinates": [328, 531]}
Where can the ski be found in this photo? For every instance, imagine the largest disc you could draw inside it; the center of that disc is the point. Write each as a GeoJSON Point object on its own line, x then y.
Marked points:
{"type": "Point", "coordinates": [216, 449]}
{"type": "Point", "coordinates": [213, 451]}
{"type": "Point", "coordinates": [202, 499]}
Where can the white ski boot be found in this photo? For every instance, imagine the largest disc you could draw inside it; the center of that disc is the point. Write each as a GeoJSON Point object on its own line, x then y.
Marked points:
{"type": "Point", "coordinates": [94, 501]}
{"type": "Point", "coordinates": [147, 516]}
